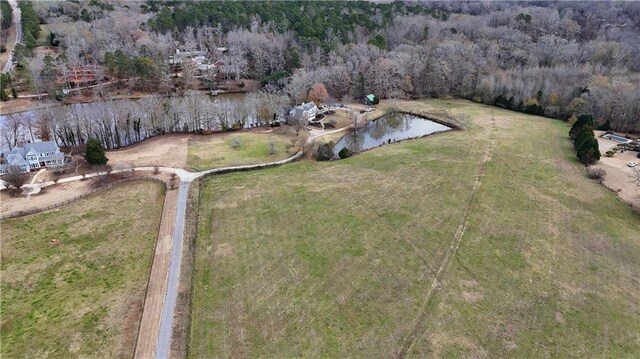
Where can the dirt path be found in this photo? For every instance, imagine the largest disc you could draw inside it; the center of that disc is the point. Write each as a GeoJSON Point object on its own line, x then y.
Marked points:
{"type": "Point", "coordinates": [167, 150]}
{"type": "Point", "coordinates": [157, 285]}
{"type": "Point", "coordinates": [420, 325]}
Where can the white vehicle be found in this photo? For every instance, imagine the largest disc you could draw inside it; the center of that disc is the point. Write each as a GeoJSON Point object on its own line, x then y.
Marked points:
{"type": "Point", "coordinates": [631, 164]}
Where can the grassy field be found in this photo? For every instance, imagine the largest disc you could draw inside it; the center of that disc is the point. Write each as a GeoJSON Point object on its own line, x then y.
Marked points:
{"type": "Point", "coordinates": [252, 148]}
{"type": "Point", "coordinates": [337, 259]}
{"type": "Point", "coordinates": [74, 279]}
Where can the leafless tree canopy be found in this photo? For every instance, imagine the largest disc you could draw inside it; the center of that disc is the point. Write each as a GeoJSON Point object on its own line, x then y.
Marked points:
{"type": "Point", "coordinates": [15, 177]}
{"type": "Point", "coordinates": [556, 58]}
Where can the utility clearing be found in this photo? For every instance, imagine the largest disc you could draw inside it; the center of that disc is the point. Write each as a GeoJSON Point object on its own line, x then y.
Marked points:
{"type": "Point", "coordinates": [488, 242]}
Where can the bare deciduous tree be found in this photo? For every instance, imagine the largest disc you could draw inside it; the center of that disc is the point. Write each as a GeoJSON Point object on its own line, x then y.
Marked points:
{"type": "Point", "coordinates": [16, 177]}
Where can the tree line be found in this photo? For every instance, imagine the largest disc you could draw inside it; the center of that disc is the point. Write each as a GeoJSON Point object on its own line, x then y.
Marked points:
{"type": "Point", "coordinates": [119, 123]}
{"type": "Point", "coordinates": [555, 59]}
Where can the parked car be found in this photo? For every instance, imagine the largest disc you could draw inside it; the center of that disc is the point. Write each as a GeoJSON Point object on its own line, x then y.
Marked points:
{"type": "Point", "coordinates": [632, 164]}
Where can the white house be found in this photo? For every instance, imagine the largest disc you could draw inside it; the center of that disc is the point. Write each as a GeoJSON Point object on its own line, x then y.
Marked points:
{"type": "Point", "coordinates": [32, 156]}
{"type": "Point", "coordinates": [305, 112]}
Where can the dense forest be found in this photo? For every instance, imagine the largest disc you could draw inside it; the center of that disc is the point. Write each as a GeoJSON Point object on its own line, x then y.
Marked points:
{"type": "Point", "coordinates": [557, 59]}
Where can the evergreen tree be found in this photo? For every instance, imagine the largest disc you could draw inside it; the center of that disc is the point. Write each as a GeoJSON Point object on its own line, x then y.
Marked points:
{"type": "Point", "coordinates": [586, 145]}
{"type": "Point", "coordinates": [585, 133]}
{"type": "Point", "coordinates": [94, 153]}
{"type": "Point", "coordinates": [582, 121]}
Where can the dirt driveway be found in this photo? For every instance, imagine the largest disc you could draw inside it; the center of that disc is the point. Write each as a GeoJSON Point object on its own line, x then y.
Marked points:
{"type": "Point", "coordinates": [619, 175]}
{"type": "Point", "coordinates": [167, 151]}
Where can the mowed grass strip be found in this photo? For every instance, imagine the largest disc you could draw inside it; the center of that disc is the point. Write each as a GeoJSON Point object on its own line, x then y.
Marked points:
{"type": "Point", "coordinates": [251, 148]}
{"type": "Point", "coordinates": [550, 260]}
{"type": "Point", "coordinates": [74, 279]}
{"type": "Point", "coordinates": [327, 259]}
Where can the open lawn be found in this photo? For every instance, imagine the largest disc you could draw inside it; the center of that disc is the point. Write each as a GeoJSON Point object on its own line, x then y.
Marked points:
{"type": "Point", "coordinates": [74, 279]}
{"type": "Point", "coordinates": [200, 152]}
{"type": "Point", "coordinates": [250, 148]}
{"type": "Point", "coordinates": [337, 259]}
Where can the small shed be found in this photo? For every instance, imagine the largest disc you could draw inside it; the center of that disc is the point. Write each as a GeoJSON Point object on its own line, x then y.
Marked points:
{"type": "Point", "coordinates": [371, 99]}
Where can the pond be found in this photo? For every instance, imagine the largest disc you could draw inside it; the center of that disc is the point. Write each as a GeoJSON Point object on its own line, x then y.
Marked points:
{"type": "Point", "coordinates": [387, 129]}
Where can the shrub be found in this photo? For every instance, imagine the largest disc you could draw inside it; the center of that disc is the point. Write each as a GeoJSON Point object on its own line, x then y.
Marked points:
{"type": "Point", "coordinates": [598, 174]}
{"type": "Point", "coordinates": [323, 151]}
{"type": "Point", "coordinates": [156, 170]}
{"type": "Point", "coordinates": [344, 153]}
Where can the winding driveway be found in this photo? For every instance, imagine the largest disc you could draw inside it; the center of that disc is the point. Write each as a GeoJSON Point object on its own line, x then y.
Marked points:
{"type": "Point", "coordinates": [156, 327]}
{"type": "Point", "coordinates": [17, 20]}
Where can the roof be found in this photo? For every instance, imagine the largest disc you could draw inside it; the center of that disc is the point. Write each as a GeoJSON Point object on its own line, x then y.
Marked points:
{"type": "Point", "coordinates": [371, 97]}
{"type": "Point", "coordinates": [14, 159]}
{"type": "Point", "coordinates": [297, 111]}
{"type": "Point", "coordinates": [40, 147]}
{"type": "Point", "coordinates": [306, 106]}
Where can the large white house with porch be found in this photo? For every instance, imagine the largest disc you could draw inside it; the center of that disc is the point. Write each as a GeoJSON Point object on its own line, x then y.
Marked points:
{"type": "Point", "coordinates": [304, 113]}
{"type": "Point", "coordinates": [32, 156]}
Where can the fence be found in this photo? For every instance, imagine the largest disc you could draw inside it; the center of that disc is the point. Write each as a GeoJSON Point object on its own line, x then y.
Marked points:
{"type": "Point", "coordinates": [70, 200]}
{"type": "Point", "coordinates": [222, 170]}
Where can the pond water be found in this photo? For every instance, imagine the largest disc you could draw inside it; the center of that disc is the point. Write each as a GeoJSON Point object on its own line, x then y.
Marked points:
{"type": "Point", "coordinates": [387, 129]}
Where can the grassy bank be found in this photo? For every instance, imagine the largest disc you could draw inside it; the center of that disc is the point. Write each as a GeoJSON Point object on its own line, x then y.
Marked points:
{"type": "Point", "coordinates": [239, 149]}
{"type": "Point", "coordinates": [335, 259]}
{"type": "Point", "coordinates": [73, 279]}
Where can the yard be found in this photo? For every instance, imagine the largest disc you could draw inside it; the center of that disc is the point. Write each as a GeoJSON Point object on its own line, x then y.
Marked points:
{"type": "Point", "coordinates": [337, 259]}
{"type": "Point", "coordinates": [199, 152]}
{"type": "Point", "coordinates": [240, 148]}
{"type": "Point", "coordinates": [74, 278]}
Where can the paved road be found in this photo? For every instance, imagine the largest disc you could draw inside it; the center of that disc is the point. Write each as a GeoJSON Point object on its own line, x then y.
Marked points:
{"type": "Point", "coordinates": [163, 343]}
{"type": "Point", "coordinates": [17, 20]}
{"type": "Point", "coordinates": [166, 322]}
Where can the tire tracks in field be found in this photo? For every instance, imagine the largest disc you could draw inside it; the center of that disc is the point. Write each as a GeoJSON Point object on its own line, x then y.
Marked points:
{"type": "Point", "coordinates": [420, 323]}
{"type": "Point", "coordinates": [399, 233]}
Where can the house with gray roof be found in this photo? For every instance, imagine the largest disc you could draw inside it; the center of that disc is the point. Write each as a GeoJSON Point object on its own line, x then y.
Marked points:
{"type": "Point", "coordinates": [305, 112]}
{"type": "Point", "coordinates": [32, 156]}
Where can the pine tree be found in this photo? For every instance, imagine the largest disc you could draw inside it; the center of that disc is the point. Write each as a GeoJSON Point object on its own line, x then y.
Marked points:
{"type": "Point", "coordinates": [585, 133]}
{"type": "Point", "coordinates": [94, 153]}
{"type": "Point", "coordinates": [582, 121]}
{"type": "Point", "coordinates": [586, 145]}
